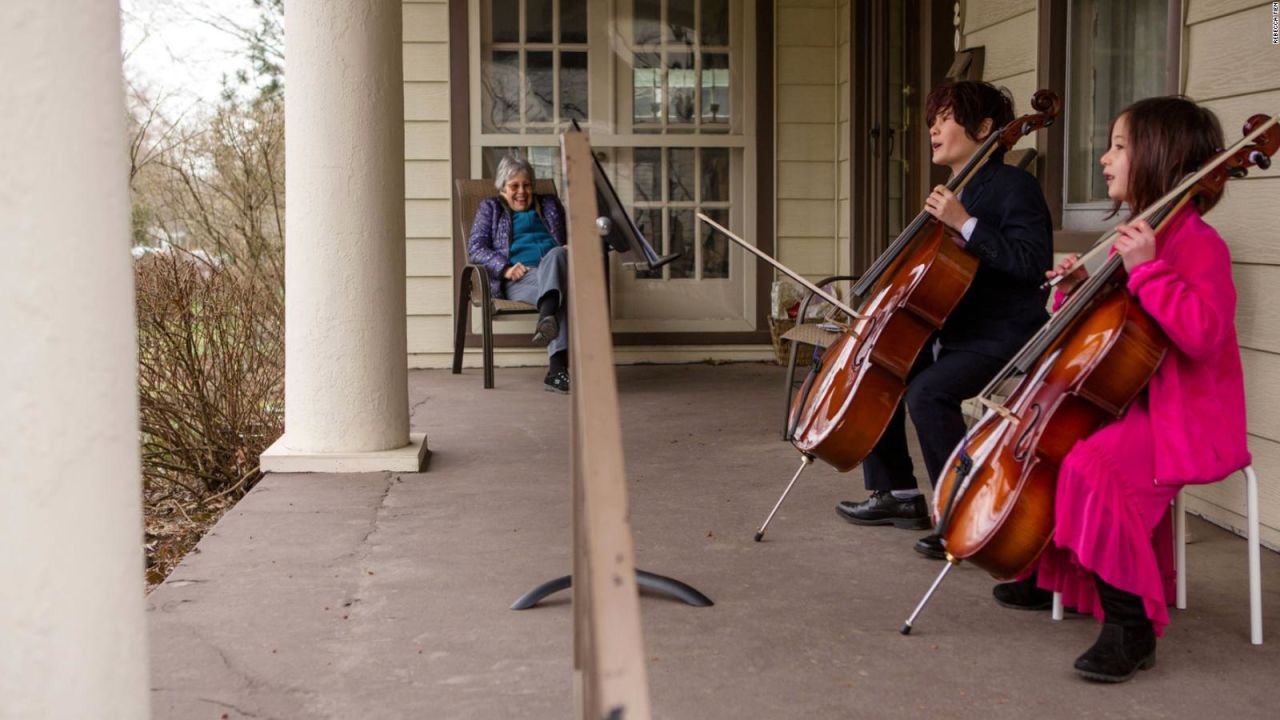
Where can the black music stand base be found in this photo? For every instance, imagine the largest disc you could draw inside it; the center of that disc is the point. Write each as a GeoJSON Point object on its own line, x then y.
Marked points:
{"type": "Point", "coordinates": [650, 581]}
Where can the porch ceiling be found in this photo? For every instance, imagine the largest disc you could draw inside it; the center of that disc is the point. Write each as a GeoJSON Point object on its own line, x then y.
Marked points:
{"type": "Point", "coordinates": [381, 596]}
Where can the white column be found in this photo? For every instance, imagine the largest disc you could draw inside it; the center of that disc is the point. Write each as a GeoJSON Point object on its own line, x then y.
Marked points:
{"type": "Point", "coordinates": [346, 384]}
{"type": "Point", "coordinates": [72, 628]}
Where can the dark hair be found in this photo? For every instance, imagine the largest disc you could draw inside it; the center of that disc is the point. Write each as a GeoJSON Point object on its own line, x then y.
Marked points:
{"type": "Point", "coordinates": [970, 102]}
{"type": "Point", "coordinates": [1169, 137]}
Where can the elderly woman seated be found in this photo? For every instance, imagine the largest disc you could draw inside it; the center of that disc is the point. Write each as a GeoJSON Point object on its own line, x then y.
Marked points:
{"type": "Point", "coordinates": [519, 238]}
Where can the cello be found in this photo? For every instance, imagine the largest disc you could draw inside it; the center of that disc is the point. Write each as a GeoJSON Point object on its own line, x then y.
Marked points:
{"type": "Point", "coordinates": [850, 395]}
{"type": "Point", "coordinates": [995, 502]}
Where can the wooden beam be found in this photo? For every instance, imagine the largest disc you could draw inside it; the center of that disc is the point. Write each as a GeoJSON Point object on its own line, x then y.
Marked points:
{"type": "Point", "coordinates": [611, 679]}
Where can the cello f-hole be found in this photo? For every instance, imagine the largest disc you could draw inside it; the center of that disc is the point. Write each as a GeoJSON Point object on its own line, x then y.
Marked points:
{"type": "Point", "coordinates": [1023, 446]}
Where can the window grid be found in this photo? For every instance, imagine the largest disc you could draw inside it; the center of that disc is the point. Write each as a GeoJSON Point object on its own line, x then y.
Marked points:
{"type": "Point", "coordinates": [522, 50]}
{"type": "Point", "coordinates": [666, 46]}
{"type": "Point", "coordinates": [701, 231]}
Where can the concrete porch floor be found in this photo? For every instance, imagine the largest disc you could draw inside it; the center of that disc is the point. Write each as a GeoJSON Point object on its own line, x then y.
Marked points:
{"type": "Point", "coordinates": [386, 596]}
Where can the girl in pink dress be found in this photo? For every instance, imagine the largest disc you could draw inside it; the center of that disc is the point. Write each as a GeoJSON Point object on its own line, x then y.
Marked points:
{"type": "Point", "coordinates": [1112, 550]}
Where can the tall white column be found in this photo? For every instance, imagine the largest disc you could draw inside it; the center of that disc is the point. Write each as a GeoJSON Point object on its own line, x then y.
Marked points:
{"type": "Point", "coordinates": [346, 384]}
{"type": "Point", "coordinates": [72, 628]}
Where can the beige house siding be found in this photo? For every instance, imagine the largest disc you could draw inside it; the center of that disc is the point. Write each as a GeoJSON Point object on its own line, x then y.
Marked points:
{"type": "Point", "coordinates": [1230, 65]}
{"type": "Point", "coordinates": [843, 167]}
{"type": "Point", "coordinates": [807, 97]}
{"type": "Point", "coordinates": [1007, 29]}
{"type": "Point", "coordinates": [428, 187]}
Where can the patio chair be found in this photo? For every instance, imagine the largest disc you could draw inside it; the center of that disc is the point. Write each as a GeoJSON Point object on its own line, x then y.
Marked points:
{"type": "Point", "coordinates": [815, 334]}
{"type": "Point", "coordinates": [473, 284]}
{"type": "Point", "coordinates": [1180, 558]}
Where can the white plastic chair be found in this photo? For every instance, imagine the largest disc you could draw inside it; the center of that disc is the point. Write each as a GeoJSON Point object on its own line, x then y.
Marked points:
{"type": "Point", "coordinates": [1180, 559]}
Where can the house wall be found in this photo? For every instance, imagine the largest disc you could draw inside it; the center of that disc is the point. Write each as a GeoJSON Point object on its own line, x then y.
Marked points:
{"type": "Point", "coordinates": [807, 97]}
{"type": "Point", "coordinates": [429, 283]}
{"type": "Point", "coordinates": [844, 27]}
{"type": "Point", "coordinates": [1230, 65]}
{"type": "Point", "coordinates": [1007, 29]}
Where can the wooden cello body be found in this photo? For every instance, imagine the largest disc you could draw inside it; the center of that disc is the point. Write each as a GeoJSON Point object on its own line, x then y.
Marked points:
{"type": "Point", "coordinates": [863, 375]}
{"type": "Point", "coordinates": [1086, 379]}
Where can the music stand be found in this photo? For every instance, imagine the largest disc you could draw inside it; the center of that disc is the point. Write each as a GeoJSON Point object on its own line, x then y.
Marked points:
{"type": "Point", "coordinates": [616, 226]}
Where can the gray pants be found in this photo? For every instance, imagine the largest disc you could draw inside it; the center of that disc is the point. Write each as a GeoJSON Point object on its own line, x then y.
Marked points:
{"type": "Point", "coordinates": [551, 273]}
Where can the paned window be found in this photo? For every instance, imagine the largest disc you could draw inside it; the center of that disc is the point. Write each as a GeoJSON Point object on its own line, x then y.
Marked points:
{"type": "Point", "coordinates": [534, 65]}
{"type": "Point", "coordinates": [671, 185]}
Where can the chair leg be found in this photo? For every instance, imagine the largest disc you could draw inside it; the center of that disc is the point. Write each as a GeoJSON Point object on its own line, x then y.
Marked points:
{"type": "Point", "coordinates": [787, 396]}
{"type": "Point", "coordinates": [1255, 560]}
{"type": "Point", "coordinates": [461, 318]}
{"type": "Point", "coordinates": [1180, 551]}
{"type": "Point", "coordinates": [1057, 606]}
{"type": "Point", "coordinates": [488, 344]}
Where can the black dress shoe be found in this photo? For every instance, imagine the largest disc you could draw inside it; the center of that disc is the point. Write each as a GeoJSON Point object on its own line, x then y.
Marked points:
{"type": "Point", "coordinates": [1022, 595]}
{"type": "Point", "coordinates": [1119, 653]}
{"type": "Point", "coordinates": [882, 508]}
{"type": "Point", "coordinates": [930, 546]}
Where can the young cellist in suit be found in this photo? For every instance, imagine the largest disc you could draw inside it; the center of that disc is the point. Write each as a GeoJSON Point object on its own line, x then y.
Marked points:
{"type": "Point", "coordinates": [1001, 218]}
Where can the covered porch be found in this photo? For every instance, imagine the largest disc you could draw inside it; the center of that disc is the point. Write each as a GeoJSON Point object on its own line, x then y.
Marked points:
{"type": "Point", "coordinates": [386, 595]}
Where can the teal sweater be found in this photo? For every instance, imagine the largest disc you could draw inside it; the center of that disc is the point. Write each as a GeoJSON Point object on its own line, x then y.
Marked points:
{"type": "Point", "coordinates": [529, 238]}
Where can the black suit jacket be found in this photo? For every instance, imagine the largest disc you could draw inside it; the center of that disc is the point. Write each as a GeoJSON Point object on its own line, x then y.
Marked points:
{"type": "Point", "coordinates": [1013, 241]}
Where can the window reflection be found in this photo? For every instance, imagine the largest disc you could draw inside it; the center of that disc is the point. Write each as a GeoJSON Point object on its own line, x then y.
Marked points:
{"type": "Point", "coordinates": [715, 246]}
{"type": "Point", "coordinates": [680, 84]}
{"type": "Point", "coordinates": [1122, 54]}
{"type": "Point", "coordinates": [535, 82]}
{"type": "Point", "coordinates": [682, 242]}
{"type": "Point", "coordinates": [715, 22]}
{"type": "Point", "coordinates": [715, 88]}
{"type": "Point", "coordinates": [573, 86]}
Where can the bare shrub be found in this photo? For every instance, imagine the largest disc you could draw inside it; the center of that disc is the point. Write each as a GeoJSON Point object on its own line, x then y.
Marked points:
{"type": "Point", "coordinates": [211, 375]}
{"type": "Point", "coordinates": [209, 225]}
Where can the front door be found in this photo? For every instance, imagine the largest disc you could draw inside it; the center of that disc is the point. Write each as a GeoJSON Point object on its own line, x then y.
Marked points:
{"type": "Point", "coordinates": [886, 128]}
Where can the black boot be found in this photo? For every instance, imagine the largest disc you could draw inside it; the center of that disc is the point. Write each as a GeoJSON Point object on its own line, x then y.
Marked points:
{"type": "Point", "coordinates": [1022, 595]}
{"type": "Point", "coordinates": [548, 326]}
{"type": "Point", "coordinates": [1127, 642]}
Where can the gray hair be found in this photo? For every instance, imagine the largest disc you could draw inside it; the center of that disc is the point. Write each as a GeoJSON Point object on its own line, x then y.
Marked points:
{"type": "Point", "coordinates": [511, 165]}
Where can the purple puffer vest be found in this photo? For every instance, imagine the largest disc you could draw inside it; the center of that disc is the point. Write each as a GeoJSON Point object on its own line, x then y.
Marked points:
{"type": "Point", "coordinates": [490, 243]}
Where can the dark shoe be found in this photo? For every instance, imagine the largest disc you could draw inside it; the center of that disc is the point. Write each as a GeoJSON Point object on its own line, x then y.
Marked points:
{"type": "Point", "coordinates": [548, 329]}
{"type": "Point", "coordinates": [557, 382]}
{"type": "Point", "coordinates": [1119, 653]}
{"type": "Point", "coordinates": [1022, 595]}
{"type": "Point", "coordinates": [882, 508]}
{"type": "Point", "coordinates": [930, 546]}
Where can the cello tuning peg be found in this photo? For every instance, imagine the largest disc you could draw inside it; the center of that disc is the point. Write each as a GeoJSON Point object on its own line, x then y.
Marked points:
{"type": "Point", "coordinates": [1237, 172]}
{"type": "Point", "coordinates": [1261, 159]}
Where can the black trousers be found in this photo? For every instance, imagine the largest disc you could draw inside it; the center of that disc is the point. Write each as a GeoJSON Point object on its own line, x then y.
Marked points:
{"type": "Point", "coordinates": [935, 389]}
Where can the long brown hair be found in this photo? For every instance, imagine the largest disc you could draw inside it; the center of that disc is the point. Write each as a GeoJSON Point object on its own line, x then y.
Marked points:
{"type": "Point", "coordinates": [1169, 137]}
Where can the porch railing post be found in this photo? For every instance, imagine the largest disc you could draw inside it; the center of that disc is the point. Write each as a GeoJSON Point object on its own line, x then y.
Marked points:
{"type": "Point", "coordinates": [609, 661]}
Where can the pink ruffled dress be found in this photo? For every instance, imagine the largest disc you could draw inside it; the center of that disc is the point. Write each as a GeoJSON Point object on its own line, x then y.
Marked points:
{"type": "Point", "coordinates": [1187, 427]}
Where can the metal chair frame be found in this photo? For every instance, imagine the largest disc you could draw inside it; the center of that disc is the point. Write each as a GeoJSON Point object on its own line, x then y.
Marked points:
{"type": "Point", "coordinates": [474, 285]}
